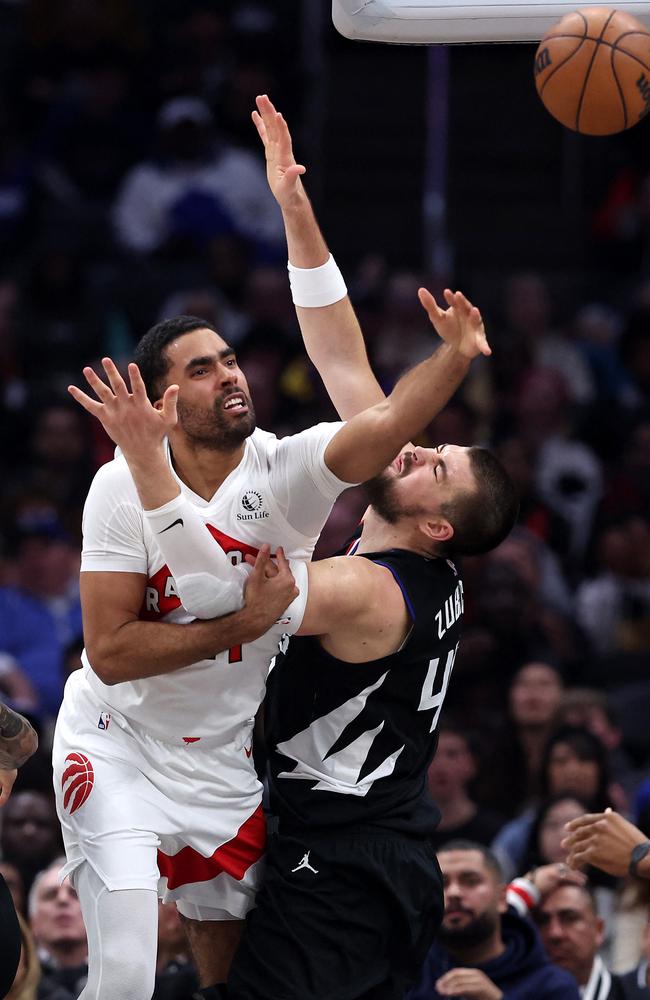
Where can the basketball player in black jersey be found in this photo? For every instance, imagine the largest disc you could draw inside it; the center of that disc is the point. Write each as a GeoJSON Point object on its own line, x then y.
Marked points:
{"type": "Point", "coordinates": [353, 895]}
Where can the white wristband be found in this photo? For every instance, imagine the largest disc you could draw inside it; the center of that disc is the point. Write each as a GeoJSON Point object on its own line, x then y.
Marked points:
{"type": "Point", "coordinates": [207, 583]}
{"type": "Point", "coordinates": [317, 286]}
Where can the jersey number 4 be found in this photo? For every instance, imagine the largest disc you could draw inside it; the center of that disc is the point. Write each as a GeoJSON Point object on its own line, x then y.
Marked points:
{"type": "Point", "coordinates": [429, 699]}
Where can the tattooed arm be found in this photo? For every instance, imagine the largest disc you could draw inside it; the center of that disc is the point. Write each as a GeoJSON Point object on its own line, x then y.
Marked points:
{"type": "Point", "coordinates": [18, 741]}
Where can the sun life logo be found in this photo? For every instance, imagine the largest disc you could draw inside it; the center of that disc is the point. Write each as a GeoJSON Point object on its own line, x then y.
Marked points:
{"type": "Point", "coordinates": [251, 500]}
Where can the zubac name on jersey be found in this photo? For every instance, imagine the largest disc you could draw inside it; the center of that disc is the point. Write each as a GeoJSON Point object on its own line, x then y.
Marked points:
{"type": "Point", "coordinates": [351, 743]}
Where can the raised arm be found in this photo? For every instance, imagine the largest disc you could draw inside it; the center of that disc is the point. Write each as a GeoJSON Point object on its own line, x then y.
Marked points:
{"type": "Point", "coordinates": [18, 741]}
{"type": "Point", "coordinates": [207, 582]}
{"type": "Point", "coordinates": [372, 439]}
{"type": "Point", "coordinates": [331, 333]}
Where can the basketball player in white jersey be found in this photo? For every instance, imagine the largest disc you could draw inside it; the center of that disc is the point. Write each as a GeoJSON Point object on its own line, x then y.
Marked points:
{"type": "Point", "coordinates": [154, 782]}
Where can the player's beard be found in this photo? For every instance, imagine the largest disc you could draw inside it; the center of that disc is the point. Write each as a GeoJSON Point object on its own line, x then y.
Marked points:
{"type": "Point", "coordinates": [383, 498]}
{"type": "Point", "coordinates": [474, 932]}
{"type": "Point", "coordinates": [214, 429]}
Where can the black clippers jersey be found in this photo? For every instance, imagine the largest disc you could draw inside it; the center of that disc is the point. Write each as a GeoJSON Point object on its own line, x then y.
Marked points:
{"type": "Point", "coordinates": [350, 743]}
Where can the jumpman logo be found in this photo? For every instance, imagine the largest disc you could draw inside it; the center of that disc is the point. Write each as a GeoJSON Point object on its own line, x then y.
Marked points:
{"type": "Point", "coordinates": [305, 864]}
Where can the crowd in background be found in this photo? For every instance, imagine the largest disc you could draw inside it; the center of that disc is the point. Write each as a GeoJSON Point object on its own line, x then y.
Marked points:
{"type": "Point", "coordinates": [131, 189]}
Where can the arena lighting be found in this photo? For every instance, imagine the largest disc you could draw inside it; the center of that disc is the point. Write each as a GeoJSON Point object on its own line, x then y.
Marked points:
{"type": "Point", "coordinates": [422, 22]}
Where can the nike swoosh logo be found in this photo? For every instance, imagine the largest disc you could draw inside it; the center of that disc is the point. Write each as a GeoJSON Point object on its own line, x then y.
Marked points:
{"type": "Point", "coordinates": [179, 520]}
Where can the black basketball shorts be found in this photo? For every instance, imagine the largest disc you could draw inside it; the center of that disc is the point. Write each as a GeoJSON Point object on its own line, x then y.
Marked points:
{"type": "Point", "coordinates": [340, 916]}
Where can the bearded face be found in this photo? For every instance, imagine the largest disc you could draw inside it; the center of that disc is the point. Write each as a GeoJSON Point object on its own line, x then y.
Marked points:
{"type": "Point", "coordinates": [222, 427]}
{"type": "Point", "coordinates": [384, 498]}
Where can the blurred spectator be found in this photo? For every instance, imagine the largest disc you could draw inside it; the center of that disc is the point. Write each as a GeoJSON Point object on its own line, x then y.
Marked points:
{"type": "Point", "coordinates": [404, 338]}
{"type": "Point", "coordinates": [528, 312]}
{"type": "Point", "coordinates": [57, 319]}
{"type": "Point", "coordinates": [176, 977]}
{"type": "Point", "coordinates": [574, 762]}
{"type": "Point", "coordinates": [614, 606]}
{"type": "Point", "coordinates": [59, 933]}
{"type": "Point", "coordinates": [636, 982]}
{"type": "Point", "coordinates": [597, 328]}
{"type": "Point", "coordinates": [507, 625]}
{"type": "Point", "coordinates": [510, 775]}
{"type": "Point", "coordinates": [568, 474]}
{"type": "Point", "coordinates": [535, 514]}
{"type": "Point", "coordinates": [30, 837]}
{"type": "Point", "coordinates": [484, 949]}
{"type": "Point", "coordinates": [547, 831]}
{"type": "Point", "coordinates": [54, 473]}
{"type": "Point", "coordinates": [538, 566]}
{"type": "Point", "coordinates": [16, 688]}
{"type": "Point", "coordinates": [572, 933]}
{"type": "Point", "coordinates": [635, 354]}
{"type": "Point", "coordinates": [201, 188]}
{"type": "Point", "coordinates": [40, 613]}
{"type": "Point", "coordinates": [544, 847]}
{"type": "Point", "coordinates": [450, 775]}
{"type": "Point", "coordinates": [593, 709]}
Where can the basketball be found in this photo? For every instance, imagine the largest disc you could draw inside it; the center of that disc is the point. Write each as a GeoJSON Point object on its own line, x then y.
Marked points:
{"type": "Point", "coordinates": [592, 71]}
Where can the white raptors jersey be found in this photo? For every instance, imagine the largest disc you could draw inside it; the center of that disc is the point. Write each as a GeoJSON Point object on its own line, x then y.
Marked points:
{"type": "Point", "coordinates": [280, 493]}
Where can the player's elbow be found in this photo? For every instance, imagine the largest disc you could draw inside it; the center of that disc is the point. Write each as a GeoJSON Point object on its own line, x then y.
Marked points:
{"type": "Point", "coordinates": [104, 660]}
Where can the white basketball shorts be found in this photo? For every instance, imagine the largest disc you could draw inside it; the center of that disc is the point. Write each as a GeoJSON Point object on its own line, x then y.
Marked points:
{"type": "Point", "coordinates": [181, 817]}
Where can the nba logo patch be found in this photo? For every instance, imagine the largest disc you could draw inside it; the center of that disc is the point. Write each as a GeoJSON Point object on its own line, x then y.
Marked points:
{"type": "Point", "coordinates": [77, 781]}
{"type": "Point", "coordinates": [104, 719]}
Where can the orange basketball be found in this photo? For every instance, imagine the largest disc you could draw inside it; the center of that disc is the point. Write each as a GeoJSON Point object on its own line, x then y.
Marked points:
{"type": "Point", "coordinates": [592, 70]}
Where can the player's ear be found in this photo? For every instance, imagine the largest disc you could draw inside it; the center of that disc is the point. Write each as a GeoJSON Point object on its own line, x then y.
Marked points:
{"type": "Point", "coordinates": [437, 529]}
{"type": "Point", "coordinates": [158, 405]}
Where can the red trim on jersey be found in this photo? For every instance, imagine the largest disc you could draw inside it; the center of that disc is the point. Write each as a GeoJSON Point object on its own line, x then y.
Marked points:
{"type": "Point", "coordinates": [229, 544]}
{"type": "Point", "coordinates": [161, 582]}
{"type": "Point", "coordinates": [234, 858]}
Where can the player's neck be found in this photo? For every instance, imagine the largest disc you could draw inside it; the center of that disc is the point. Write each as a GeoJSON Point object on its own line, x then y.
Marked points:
{"type": "Point", "coordinates": [378, 535]}
{"type": "Point", "coordinates": [203, 469]}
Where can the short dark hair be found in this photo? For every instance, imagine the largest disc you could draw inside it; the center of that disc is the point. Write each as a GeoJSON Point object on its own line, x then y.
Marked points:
{"type": "Point", "coordinates": [483, 517]}
{"type": "Point", "coordinates": [150, 355]}
{"type": "Point", "coordinates": [489, 856]}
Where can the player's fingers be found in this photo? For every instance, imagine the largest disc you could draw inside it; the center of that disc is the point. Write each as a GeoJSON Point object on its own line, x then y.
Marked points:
{"type": "Point", "coordinates": [428, 302]}
{"type": "Point", "coordinates": [582, 821]}
{"type": "Point", "coordinates": [483, 345]}
{"type": "Point", "coordinates": [91, 405]}
{"type": "Point", "coordinates": [281, 559]}
{"type": "Point", "coordinates": [117, 383]}
{"type": "Point", "coordinates": [260, 126]}
{"type": "Point", "coordinates": [263, 557]}
{"type": "Point", "coordinates": [137, 383]}
{"type": "Point", "coordinates": [295, 170]}
{"type": "Point", "coordinates": [169, 401]}
{"type": "Point", "coordinates": [97, 384]}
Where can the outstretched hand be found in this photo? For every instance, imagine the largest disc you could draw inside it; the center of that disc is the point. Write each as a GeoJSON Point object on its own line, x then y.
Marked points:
{"type": "Point", "coordinates": [602, 839]}
{"type": "Point", "coordinates": [128, 418]}
{"type": "Point", "coordinates": [282, 171]}
{"type": "Point", "coordinates": [460, 325]}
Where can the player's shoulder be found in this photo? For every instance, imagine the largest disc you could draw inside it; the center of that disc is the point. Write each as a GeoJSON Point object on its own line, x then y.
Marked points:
{"type": "Point", "coordinates": [115, 477]}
